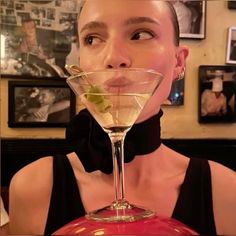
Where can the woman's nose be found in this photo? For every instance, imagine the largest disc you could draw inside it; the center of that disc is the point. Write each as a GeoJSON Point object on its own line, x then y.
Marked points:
{"type": "Point", "coordinates": [116, 56]}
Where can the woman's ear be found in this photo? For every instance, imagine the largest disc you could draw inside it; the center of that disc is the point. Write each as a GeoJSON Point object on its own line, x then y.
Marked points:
{"type": "Point", "coordinates": [181, 55]}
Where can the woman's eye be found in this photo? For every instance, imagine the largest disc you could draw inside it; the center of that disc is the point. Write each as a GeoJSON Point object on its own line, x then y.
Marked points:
{"type": "Point", "coordinates": [91, 40]}
{"type": "Point", "coordinates": [142, 35]}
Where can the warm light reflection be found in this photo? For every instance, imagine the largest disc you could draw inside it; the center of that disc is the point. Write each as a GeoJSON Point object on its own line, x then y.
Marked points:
{"type": "Point", "coordinates": [99, 232]}
{"type": "Point", "coordinates": [80, 230]}
{"type": "Point", "coordinates": [3, 41]}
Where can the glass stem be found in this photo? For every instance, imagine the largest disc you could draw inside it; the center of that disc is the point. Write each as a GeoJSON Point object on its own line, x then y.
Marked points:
{"type": "Point", "coordinates": [117, 140]}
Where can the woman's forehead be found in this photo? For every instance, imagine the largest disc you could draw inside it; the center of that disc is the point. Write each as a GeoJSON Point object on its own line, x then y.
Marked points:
{"type": "Point", "coordinates": [95, 9]}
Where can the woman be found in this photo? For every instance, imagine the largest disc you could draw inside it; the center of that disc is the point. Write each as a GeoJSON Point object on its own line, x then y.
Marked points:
{"type": "Point", "coordinates": [115, 34]}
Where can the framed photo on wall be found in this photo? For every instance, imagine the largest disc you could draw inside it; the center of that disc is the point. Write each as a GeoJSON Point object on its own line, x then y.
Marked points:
{"type": "Point", "coordinates": [217, 94]}
{"type": "Point", "coordinates": [192, 18]}
{"type": "Point", "coordinates": [40, 104]}
{"type": "Point", "coordinates": [231, 46]}
{"type": "Point", "coordinates": [38, 37]}
{"type": "Point", "coordinates": [232, 4]}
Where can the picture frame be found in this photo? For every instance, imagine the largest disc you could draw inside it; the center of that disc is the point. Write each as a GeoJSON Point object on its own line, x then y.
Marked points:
{"type": "Point", "coordinates": [40, 104]}
{"type": "Point", "coordinates": [231, 46]}
{"type": "Point", "coordinates": [217, 94]}
{"type": "Point", "coordinates": [38, 37]}
{"type": "Point", "coordinates": [232, 4]}
{"type": "Point", "coordinates": [192, 18]}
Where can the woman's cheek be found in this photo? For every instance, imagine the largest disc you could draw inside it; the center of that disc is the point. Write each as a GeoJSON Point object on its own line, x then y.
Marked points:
{"type": "Point", "coordinates": [87, 61]}
{"type": "Point", "coordinates": [162, 60]}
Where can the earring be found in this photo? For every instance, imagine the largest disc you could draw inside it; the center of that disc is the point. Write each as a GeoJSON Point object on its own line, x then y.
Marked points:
{"type": "Point", "coordinates": [182, 74]}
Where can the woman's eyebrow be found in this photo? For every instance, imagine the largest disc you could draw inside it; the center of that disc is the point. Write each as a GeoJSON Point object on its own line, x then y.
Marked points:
{"type": "Point", "coordinates": [133, 20]}
{"type": "Point", "coordinates": [139, 20]}
{"type": "Point", "coordinates": [93, 25]}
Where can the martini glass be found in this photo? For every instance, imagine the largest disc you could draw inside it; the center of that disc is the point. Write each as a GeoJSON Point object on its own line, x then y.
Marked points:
{"type": "Point", "coordinates": [115, 98]}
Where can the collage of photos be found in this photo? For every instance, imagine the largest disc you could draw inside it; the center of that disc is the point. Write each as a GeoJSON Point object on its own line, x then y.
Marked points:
{"type": "Point", "coordinates": [25, 24]}
{"type": "Point", "coordinates": [217, 89]}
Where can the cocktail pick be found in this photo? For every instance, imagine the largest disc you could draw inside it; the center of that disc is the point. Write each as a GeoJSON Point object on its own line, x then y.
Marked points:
{"type": "Point", "coordinates": [93, 96]}
{"type": "Point", "coordinates": [73, 69]}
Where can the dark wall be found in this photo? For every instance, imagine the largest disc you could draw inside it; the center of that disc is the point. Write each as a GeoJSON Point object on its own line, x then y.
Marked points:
{"type": "Point", "coordinates": [17, 153]}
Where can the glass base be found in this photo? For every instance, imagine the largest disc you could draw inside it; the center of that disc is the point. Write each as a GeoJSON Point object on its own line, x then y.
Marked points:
{"type": "Point", "coordinates": [120, 211]}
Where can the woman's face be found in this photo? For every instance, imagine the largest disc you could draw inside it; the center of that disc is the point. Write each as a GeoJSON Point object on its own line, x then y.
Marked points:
{"type": "Point", "coordinates": [131, 33]}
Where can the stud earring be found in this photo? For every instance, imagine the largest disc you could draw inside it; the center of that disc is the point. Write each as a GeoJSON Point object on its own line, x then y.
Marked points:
{"type": "Point", "coordinates": [182, 74]}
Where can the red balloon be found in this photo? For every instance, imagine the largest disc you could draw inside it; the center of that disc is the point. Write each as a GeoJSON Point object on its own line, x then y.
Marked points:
{"type": "Point", "coordinates": [153, 226]}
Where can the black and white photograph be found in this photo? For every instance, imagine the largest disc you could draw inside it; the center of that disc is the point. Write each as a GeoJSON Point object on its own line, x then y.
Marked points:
{"type": "Point", "coordinates": [232, 4]}
{"type": "Point", "coordinates": [231, 46]}
{"type": "Point", "coordinates": [40, 104]}
{"type": "Point", "coordinates": [24, 27]}
{"type": "Point", "coordinates": [192, 18]}
{"type": "Point", "coordinates": [217, 94]}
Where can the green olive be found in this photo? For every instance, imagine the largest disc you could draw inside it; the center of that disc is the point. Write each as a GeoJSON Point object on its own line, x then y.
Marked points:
{"type": "Point", "coordinates": [94, 95]}
{"type": "Point", "coordinates": [102, 104]}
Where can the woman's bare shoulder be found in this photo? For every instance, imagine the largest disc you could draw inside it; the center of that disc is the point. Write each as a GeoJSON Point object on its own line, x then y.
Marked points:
{"type": "Point", "coordinates": [30, 191]}
{"type": "Point", "coordinates": [33, 174]}
{"type": "Point", "coordinates": [222, 175]}
{"type": "Point", "coordinates": [223, 179]}
{"type": "Point", "coordinates": [224, 197]}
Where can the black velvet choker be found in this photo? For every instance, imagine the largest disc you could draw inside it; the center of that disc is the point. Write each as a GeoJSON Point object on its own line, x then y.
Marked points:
{"type": "Point", "coordinates": [93, 145]}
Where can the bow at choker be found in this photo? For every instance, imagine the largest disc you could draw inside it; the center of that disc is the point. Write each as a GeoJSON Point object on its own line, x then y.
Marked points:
{"type": "Point", "coordinates": [93, 146]}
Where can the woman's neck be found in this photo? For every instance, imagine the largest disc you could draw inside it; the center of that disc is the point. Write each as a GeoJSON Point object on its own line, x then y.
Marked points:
{"type": "Point", "coordinates": [161, 164]}
{"type": "Point", "coordinates": [145, 164]}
